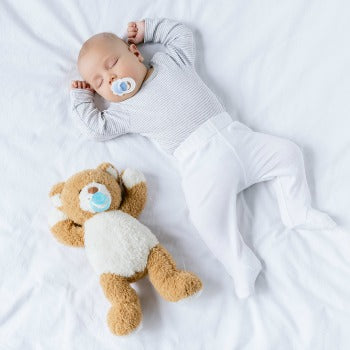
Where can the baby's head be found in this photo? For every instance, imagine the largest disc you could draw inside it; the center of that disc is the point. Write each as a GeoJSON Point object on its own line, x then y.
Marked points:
{"type": "Point", "coordinates": [104, 58]}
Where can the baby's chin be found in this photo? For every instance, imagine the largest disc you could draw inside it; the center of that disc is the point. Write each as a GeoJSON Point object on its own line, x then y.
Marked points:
{"type": "Point", "coordinates": [114, 98]}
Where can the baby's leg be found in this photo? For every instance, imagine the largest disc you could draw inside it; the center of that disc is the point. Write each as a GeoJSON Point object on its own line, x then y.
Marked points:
{"type": "Point", "coordinates": [268, 157]}
{"type": "Point", "coordinates": [211, 179]}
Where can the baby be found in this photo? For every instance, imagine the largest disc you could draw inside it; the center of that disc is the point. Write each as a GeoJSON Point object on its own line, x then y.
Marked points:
{"type": "Point", "coordinates": [217, 155]}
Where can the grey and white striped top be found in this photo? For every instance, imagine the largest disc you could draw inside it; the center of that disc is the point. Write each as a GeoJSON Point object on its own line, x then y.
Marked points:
{"type": "Point", "coordinates": [170, 104]}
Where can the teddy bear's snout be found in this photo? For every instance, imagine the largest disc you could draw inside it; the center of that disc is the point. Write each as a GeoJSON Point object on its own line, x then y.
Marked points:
{"type": "Point", "coordinates": [93, 190]}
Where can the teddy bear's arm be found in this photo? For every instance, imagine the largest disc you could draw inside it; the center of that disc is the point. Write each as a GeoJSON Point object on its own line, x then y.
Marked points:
{"type": "Point", "coordinates": [65, 230]}
{"type": "Point", "coordinates": [135, 192]}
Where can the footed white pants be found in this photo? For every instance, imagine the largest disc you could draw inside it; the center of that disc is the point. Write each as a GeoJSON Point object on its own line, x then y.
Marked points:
{"type": "Point", "coordinates": [220, 159]}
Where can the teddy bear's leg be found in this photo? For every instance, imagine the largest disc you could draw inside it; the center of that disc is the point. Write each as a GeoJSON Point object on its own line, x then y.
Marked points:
{"type": "Point", "coordinates": [172, 284]}
{"type": "Point", "coordinates": [125, 314]}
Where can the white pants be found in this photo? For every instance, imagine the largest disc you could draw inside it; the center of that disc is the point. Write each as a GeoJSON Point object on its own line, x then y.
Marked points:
{"type": "Point", "coordinates": [220, 159]}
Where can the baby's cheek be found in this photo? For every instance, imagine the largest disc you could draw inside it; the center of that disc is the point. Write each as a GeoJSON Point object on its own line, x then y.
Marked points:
{"type": "Point", "coordinates": [109, 96]}
{"type": "Point", "coordinates": [105, 92]}
{"type": "Point", "coordinates": [129, 68]}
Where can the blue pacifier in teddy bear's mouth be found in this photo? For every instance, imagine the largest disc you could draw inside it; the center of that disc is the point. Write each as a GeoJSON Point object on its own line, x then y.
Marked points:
{"type": "Point", "coordinates": [100, 202]}
{"type": "Point", "coordinates": [123, 86]}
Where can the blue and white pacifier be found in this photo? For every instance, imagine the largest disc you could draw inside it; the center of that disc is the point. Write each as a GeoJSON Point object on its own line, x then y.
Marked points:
{"type": "Point", "coordinates": [100, 202]}
{"type": "Point", "coordinates": [95, 198]}
{"type": "Point", "coordinates": [123, 86]}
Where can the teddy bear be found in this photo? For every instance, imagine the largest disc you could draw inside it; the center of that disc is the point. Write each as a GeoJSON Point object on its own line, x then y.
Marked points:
{"type": "Point", "coordinates": [97, 209]}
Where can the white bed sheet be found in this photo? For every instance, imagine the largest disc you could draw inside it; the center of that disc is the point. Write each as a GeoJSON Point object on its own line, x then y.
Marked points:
{"type": "Point", "coordinates": [284, 65]}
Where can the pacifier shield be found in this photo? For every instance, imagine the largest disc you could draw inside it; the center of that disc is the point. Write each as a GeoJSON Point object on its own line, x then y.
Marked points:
{"type": "Point", "coordinates": [100, 202]}
{"type": "Point", "coordinates": [123, 86]}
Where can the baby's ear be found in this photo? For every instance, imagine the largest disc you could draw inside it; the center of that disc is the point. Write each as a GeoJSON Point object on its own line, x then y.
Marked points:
{"type": "Point", "coordinates": [109, 168]}
{"type": "Point", "coordinates": [55, 194]}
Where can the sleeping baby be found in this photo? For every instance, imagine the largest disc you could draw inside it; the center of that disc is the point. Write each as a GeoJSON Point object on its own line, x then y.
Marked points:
{"type": "Point", "coordinates": [217, 155]}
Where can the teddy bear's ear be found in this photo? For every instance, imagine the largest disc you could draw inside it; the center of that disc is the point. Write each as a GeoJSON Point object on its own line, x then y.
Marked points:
{"type": "Point", "coordinates": [55, 194]}
{"type": "Point", "coordinates": [109, 168]}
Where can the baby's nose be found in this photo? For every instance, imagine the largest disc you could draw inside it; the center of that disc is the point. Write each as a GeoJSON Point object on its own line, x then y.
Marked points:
{"type": "Point", "coordinates": [112, 78]}
{"type": "Point", "coordinates": [93, 190]}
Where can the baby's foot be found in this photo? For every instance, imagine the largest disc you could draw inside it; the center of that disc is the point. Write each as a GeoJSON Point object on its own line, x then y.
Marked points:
{"type": "Point", "coordinates": [78, 84]}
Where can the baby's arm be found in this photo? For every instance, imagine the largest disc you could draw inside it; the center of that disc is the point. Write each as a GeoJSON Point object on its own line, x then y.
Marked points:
{"type": "Point", "coordinates": [96, 124]}
{"type": "Point", "coordinates": [176, 36]}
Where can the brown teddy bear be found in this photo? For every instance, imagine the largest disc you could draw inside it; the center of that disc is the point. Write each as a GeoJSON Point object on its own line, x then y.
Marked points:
{"type": "Point", "coordinates": [96, 209]}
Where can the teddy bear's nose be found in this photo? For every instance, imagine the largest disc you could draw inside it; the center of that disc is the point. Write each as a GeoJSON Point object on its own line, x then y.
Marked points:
{"type": "Point", "coordinates": [93, 190]}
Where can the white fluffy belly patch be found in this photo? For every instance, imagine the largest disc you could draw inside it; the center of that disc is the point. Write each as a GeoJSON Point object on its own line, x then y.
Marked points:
{"type": "Point", "coordinates": [115, 242]}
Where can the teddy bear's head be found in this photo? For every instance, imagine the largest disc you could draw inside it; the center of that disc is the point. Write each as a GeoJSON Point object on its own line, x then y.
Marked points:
{"type": "Point", "coordinates": [88, 192]}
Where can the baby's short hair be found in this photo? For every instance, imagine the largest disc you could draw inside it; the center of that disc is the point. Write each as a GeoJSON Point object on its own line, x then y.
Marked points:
{"type": "Point", "coordinates": [100, 36]}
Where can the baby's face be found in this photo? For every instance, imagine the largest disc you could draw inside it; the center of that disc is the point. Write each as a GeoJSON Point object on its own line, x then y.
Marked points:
{"type": "Point", "coordinates": [106, 60]}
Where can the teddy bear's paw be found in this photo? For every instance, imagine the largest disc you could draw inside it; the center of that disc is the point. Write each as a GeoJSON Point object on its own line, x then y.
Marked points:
{"type": "Point", "coordinates": [132, 177]}
{"type": "Point", "coordinates": [188, 300]}
{"type": "Point", "coordinates": [132, 334]}
{"type": "Point", "coordinates": [124, 318]}
{"type": "Point", "coordinates": [183, 284]}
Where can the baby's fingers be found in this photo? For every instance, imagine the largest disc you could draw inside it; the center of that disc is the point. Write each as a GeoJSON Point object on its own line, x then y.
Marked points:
{"type": "Point", "coordinates": [88, 86]}
{"type": "Point", "coordinates": [132, 30]}
{"type": "Point", "coordinates": [78, 84]}
{"type": "Point", "coordinates": [132, 34]}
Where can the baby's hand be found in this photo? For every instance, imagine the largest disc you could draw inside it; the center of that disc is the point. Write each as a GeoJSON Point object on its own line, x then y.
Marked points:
{"type": "Point", "coordinates": [78, 84]}
{"type": "Point", "coordinates": [136, 32]}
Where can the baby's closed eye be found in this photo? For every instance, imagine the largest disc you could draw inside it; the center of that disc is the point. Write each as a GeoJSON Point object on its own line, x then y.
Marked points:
{"type": "Point", "coordinates": [112, 63]}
